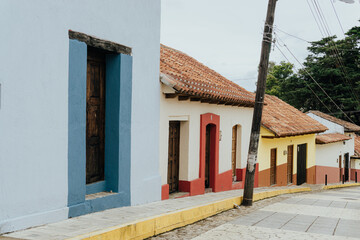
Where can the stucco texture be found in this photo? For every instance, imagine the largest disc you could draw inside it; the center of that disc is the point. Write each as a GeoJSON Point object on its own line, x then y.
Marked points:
{"type": "Point", "coordinates": [281, 144]}
{"type": "Point", "coordinates": [188, 113]}
{"type": "Point", "coordinates": [34, 65]}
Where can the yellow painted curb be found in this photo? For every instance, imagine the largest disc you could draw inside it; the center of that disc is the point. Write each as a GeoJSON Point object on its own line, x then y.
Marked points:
{"type": "Point", "coordinates": [341, 186]}
{"type": "Point", "coordinates": [155, 225]}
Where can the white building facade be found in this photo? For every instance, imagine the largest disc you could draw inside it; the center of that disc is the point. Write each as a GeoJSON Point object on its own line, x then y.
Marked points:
{"type": "Point", "coordinates": [334, 148]}
{"type": "Point", "coordinates": [204, 139]}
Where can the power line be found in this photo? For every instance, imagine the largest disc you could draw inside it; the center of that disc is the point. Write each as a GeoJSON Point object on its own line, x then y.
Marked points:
{"type": "Point", "coordinates": [325, 27]}
{"type": "Point", "coordinates": [315, 81]}
{"type": "Point", "coordinates": [276, 45]}
{"type": "Point", "coordinates": [317, 23]}
{"type": "Point", "coordinates": [342, 29]}
{"type": "Point", "coordinates": [291, 35]}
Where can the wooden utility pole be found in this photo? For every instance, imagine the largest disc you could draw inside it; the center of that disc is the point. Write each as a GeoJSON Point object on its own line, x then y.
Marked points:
{"type": "Point", "coordinates": [259, 102]}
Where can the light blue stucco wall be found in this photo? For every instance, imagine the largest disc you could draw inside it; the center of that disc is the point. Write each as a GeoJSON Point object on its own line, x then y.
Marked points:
{"type": "Point", "coordinates": [34, 67]}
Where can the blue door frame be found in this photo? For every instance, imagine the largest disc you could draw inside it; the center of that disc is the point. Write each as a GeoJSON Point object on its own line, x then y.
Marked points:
{"type": "Point", "coordinates": [117, 133]}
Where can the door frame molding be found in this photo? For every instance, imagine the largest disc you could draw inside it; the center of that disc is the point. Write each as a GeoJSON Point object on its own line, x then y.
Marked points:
{"type": "Point", "coordinates": [117, 129]}
{"type": "Point", "coordinates": [178, 149]}
{"type": "Point", "coordinates": [206, 119]}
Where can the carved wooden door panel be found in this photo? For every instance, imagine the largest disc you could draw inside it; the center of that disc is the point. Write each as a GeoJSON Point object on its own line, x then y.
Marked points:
{"type": "Point", "coordinates": [233, 151]}
{"type": "Point", "coordinates": [273, 167]}
{"type": "Point", "coordinates": [95, 116]}
{"type": "Point", "coordinates": [290, 160]}
{"type": "Point", "coordinates": [173, 156]}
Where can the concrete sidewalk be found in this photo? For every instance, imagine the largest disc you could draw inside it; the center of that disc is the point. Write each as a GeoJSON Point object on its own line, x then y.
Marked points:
{"type": "Point", "coordinates": [333, 214]}
{"type": "Point", "coordinates": [139, 222]}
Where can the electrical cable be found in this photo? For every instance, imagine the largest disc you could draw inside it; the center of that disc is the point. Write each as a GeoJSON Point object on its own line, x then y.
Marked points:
{"type": "Point", "coordinates": [276, 45]}
{"type": "Point", "coordinates": [337, 16]}
{"type": "Point", "coordinates": [315, 81]}
{"type": "Point", "coordinates": [338, 59]}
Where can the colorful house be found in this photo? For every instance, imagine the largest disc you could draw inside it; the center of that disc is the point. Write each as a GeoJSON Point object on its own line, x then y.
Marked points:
{"type": "Point", "coordinates": [79, 113]}
{"type": "Point", "coordinates": [205, 123]}
{"type": "Point", "coordinates": [334, 148]}
{"type": "Point", "coordinates": [286, 153]}
{"type": "Point", "coordinates": [355, 161]}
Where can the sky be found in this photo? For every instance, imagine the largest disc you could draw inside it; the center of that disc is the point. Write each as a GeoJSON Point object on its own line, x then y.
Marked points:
{"type": "Point", "coordinates": [226, 35]}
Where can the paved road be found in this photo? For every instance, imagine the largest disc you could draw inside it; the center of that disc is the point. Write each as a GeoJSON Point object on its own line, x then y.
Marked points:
{"type": "Point", "coordinates": [333, 214]}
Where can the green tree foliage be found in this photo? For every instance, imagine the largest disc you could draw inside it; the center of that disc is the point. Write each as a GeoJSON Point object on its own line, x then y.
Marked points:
{"type": "Point", "coordinates": [284, 83]}
{"type": "Point", "coordinates": [335, 65]}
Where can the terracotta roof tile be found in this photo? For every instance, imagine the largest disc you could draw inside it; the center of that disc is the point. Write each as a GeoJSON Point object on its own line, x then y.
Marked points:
{"type": "Point", "coordinates": [285, 120]}
{"type": "Point", "coordinates": [331, 138]}
{"type": "Point", "coordinates": [188, 76]}
{"type": "Point", "coordinates": [349, 127]}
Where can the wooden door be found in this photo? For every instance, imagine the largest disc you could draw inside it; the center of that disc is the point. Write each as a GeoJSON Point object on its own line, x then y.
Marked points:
{"type": "Point", "coordinates": [340, 159]}
{"type": "Point", "coordinates": [301, 164]}
{"type": "Point", "coordinates": [173, 158]}
{"type": "Point", "coordinates": [346, 166]}
{"type": "Point", "coordinates": [273, 166]}
{"type": "Point", "coordinates": [290, 160]}
{"type": "Point", "coordinates": [233, 151]}
{"type": "Point", "coordinates": [95, 116]}
{"type": "Point", "coordinates": [207, 157]}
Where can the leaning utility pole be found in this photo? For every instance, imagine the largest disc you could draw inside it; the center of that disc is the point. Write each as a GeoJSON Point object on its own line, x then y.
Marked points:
{"type": "Point", "coordinates": [259, 102]}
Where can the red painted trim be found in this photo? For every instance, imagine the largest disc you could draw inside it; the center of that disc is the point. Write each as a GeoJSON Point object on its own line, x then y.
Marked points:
{"type": "Point", "coordinates": [352, 174]}
{"type": "Point", "coordinates": [331, 172]}
{"type": "Point", "coordinates": [225, 181]}
{"type": "Point", "coordinates": [194, 187]}
{"type": "Point", "coordinates": [241, 172]}
{"type": "Point", "coordinates": [214, 120]}
{"type": "Point", "coordinates": [165, 192]}
{"type": "Point", "coordinates": [256, 177]}
{"type": "Point", "coordinates": [218, 182]}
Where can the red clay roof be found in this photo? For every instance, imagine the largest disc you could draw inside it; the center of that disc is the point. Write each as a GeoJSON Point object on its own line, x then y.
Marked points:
{"type": "Point", "coordinates": [349, 127]}
{"type": "Point", "coordinates": [331, 138]}
{"type": "Point", "coordinates": [285, 120]}
{"type": "Point", "coordinates": [357, 146]}
{"type": "Point", "coordinates": [190, 77]}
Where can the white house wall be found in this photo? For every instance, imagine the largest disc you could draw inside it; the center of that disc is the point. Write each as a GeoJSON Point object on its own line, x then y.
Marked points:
{"type": "Point", "coordinates": [189, 114]}
{"type": "Point", "coordinates": [332, 127]}
{"type": "Point", "coordinates": [34, 100]}
{"type": "Point", "coordinates": [328, 154]}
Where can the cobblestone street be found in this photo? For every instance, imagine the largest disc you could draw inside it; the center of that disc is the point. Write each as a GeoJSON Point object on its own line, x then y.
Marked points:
{"type": "Point", "coordinates": [333, 214]}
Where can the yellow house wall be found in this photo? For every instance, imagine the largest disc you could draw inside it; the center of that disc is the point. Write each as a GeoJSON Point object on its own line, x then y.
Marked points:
{"type": "Point", "coordinates": [281, 144]}
{"type": "Point", "coordinates": [266, 144]}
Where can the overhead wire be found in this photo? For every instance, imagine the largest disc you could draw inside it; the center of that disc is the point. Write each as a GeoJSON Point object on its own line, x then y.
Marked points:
{"type": "Point", "coordinates": [337, 16]}
{"type": "Point", "coordinates": [315, 80]}
{"type": "Point", "coordinates": [325, 27]}
{"type": "Point", "coordinates": [291, 35]}
{"type": "Point", "coordinates": [277, 46]}
{"type": "Point", "coordinates": [313, 14]}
